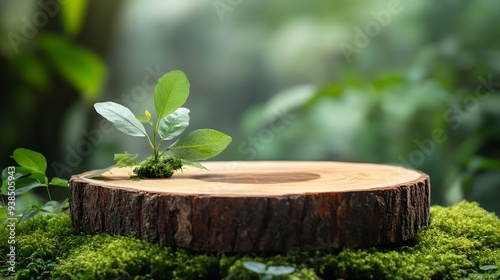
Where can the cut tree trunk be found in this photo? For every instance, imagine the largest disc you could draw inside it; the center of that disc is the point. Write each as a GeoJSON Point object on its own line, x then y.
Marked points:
{"type": "Point", "coordinates": [258, 206]}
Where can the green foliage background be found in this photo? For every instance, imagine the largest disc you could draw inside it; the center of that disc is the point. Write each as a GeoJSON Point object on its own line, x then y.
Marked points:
{"type": "Point", "coordinates": [259, 60]}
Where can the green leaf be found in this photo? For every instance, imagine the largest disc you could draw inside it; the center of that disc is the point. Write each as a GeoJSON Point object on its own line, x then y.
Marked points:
{"type": "Point", "coordinates": [142, 119]}
{"type": "Point", "coordinates": [40, 177]}
{"type": "Point", "coordinates": [73, 15]}
{"type": "Point", "coordinates": [64, 204]}
{"type": "Point", "coordinates": [174, 124]}
{"type": "Point", "coordinates": [51, 206]}
{"type": "Point", "coordinates": [170, 93]}
{"type": "Point", "coordinates": [488, 267]}
{"type": "Point", "coordinates": [31, 160]}
{"type": "Point", "coordinates": [193, 164]}
{"type": "Point", "coordinates": [99, 172]}
{"type": "Point", "coordinates": [125, 159]}
{"type": "Point", "coordinates": [56, 181]}
{"type": "Point", "coordinates": [25, 184]}
{"type": "Point", "coordinates": [256, 267]}
{"type": "Point", "coordinates": [280, 270]}
{"type": "Point", "coordinates": [77, 65]}
{"type": "Point", "coordinates": [31, 70]}
{"type": "Point", "coordinates": [18, 173]}
{"type": "Point", "coordinates": [28, 214]}
{"type": "Point", "coordinates": [121, 117]}
{"type": "Point", "coordinates": [200, 144]}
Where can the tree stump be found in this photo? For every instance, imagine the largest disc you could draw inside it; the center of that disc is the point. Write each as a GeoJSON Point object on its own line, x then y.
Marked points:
{"type": "Point", "coordinates": [258, 206]}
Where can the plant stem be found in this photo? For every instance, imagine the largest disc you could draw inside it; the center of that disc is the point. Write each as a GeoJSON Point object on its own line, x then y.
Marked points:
{"type": "Point", "coordinates": [161, 154]}
{"type": "Point", "coordinates": [150, 144]}
{"type": "Point", "coordinates": [48, 192]}
{"type": "Point", "coordinates": [156, 147]}
{"type": "Point", "coordinates": [155, 151]}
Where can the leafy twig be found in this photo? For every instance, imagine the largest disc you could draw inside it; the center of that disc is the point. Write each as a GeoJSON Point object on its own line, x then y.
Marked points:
{"type": "Point", "coordinates": [170, 94]}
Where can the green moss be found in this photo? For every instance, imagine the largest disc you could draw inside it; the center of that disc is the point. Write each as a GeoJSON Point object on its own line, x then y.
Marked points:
{"type": "Point", "coordinates": [109, 257]}
{"type": "Point", "coordinates": [458, 241]}
{"type": "Point", "coordinates": [39, 243]}
{"type": "Point", "coordinates": [39, 238]}
{"type": "Point", "coordinates": [164, 167]}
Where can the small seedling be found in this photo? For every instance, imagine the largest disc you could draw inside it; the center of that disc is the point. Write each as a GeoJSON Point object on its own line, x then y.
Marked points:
{"type": "Point", "coordinates": [30, 174]}
{"type": "Point", "coordinates": [170, 94]}
{"type": "Point", "coordinates": [267, 272]}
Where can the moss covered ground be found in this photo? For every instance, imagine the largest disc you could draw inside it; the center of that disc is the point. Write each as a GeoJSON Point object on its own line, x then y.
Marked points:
{"type": "Point", "coordinates": [459, 240]}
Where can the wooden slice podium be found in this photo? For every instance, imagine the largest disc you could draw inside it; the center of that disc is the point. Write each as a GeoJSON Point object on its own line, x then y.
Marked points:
{"type": "Point", "coordinates": [258, 206]}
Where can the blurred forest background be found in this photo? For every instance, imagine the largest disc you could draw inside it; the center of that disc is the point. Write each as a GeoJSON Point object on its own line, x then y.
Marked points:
{"type": "Point", "coordinates": [411, 83]}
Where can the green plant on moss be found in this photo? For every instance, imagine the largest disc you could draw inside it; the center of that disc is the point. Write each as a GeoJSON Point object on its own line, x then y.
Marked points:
{"type": "Point", "coordinates": [457, 244]}
{"type": "Point", "coordinates": [170, 94]}
{"type": "Point", "coordinates": [28, 175]}
{"type": "Point", "coordinates": [486, 272]}
{"type": "Point", "coordinates": [37, 269]}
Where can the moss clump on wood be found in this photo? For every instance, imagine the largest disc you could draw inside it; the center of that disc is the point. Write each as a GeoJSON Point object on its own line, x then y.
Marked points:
{"type": "Point", "coordinates": [458, 241]}
{"type": "Point", "coordinates": [162, 167]}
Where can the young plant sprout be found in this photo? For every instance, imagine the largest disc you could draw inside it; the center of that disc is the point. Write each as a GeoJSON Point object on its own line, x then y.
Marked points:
{"type": "Point", "coordinates": [170, 94]}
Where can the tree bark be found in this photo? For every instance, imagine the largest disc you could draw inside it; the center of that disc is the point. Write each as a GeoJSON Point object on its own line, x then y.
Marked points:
{"type": "Point", "coordinates": [258, 206]}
